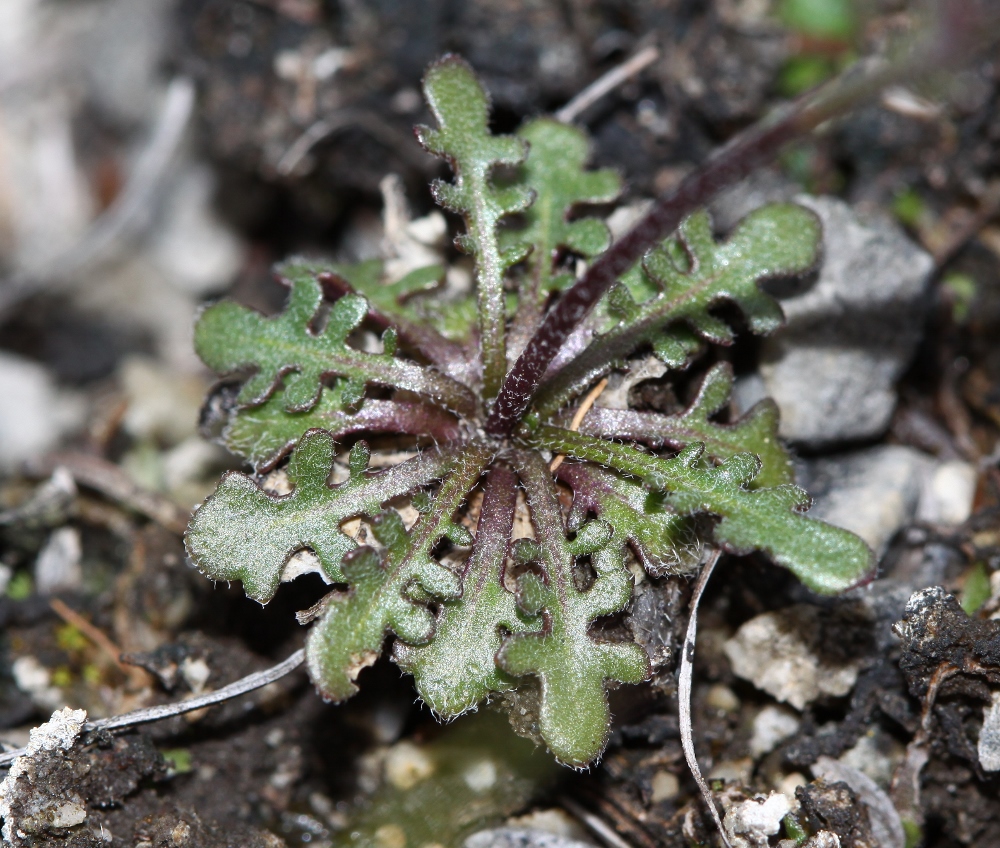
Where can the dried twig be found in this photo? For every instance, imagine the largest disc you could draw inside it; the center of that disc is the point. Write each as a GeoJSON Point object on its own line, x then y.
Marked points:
{"type": "Point", "coordinates": [112, 482]}
{"type": "Point", "coordinates": [595, 824]}
{"type": "Point", "coordinates": [93, 633]}
{"type": "Point", "coordinates": [137, 677]}
{"type": "Point", "coordinates": [579, 415]}
{"type": "Point", "coordinates": [905, 787]}
{"type": "Point", "coordinates": [233, 690]}
{"type": "Point", "coordinates": [956, 414]}
{"type": "Point", "coordinates": [989, 208]}
{"type": "Point", "coordinates": [684, 694]}
{"type": "Point", "coordinates": [347, 119]}
{"type": "Point", "coordinates": [606, 83]}
{"type": "Point", "coordinates": [130, 212]}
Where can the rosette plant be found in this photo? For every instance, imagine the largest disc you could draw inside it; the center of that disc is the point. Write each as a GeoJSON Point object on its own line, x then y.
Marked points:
{"type": "Point", "coordinates": [510, 513]}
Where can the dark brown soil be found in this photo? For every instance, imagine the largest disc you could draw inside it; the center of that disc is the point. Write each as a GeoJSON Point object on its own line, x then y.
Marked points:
{"type": "Point", "coordinates": [279, 767]}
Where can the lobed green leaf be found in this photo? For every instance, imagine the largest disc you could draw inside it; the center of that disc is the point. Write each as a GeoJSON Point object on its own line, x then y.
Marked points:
{"type": "Point", "coordinates": [780, 239]}
{"type": "Point", "coordinates": [461, 107]}
{"type": "Point", "coordinates": [265, 434]}
{"type": "Point", "coordinates": [245, 533]}
{"type": "Point", "coordinates": [457, 669]}
{"type": "Point", "coordinates": [664, 542]}
{"type": "Point", "coordinates": [404, 305]}
{"type": "Point", "coordinates": [555, 170]}
{"type": "Point", "coordinates": [572, 666]}
{"type": "Point", "coordinates": [756, 432]}
{"type": "Point", "coordinates": [231, 338]}
{"type": "Point", "coordinates": [392, 299]}
{"type": "Point", "coordinates": [825, 558]}
{"type": "Point", "coordinates": [387, 588]}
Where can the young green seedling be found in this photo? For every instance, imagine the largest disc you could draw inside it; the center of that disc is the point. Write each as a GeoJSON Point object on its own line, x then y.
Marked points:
{"type": "Point", "coordinates": [472, 616]}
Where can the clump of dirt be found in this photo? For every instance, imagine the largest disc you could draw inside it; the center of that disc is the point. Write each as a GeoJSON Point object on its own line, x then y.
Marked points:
{"type": "Point", "coordinates": [834, 807]}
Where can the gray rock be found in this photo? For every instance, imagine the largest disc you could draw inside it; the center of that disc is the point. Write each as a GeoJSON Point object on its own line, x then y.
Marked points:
{"type": "Point", "coordinates": [34, 413]}
{"type": "Point", "coordinates": [748, 390]}
{"type": "Point", "coordinates": [763, 186]}
{"type": "Point", "coordinates": [57, 568]}
{"type": "Point", "coordinates": [989, 736]}
{"type": "Point", "coordinates": [827, 394]}
{"type": "Point", "coordinates": [871, 492]}
{"type": "Point", "coordinates": [520, 837]}
{"type": "Point", "coordinates": [833, 367]}
{"type": "Point", "coordinates": [781, 653]}
{"type": "Point", "coordinates": [848, 337]}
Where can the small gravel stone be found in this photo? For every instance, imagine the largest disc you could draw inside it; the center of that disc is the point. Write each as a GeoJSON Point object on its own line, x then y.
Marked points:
{"type": "Point", "coordinates": [749, 823]}
{"type": "Point", "coordinates": [553, 820]}
{"type": "Point", "coordinates": [780, 653]}
{"type": "Point", "coordinates": [34, 413]}
{"type": "Point", "coordinates": [34, 679]}
{"type": "Point", "coordinates": [771, 726]}
{"type": "Point", "coordinates": [406, 765]}
{"type": "Point", "coordinates": [722, 698]}
{"type": "Point", "coordinates": [162, 404]}
{"type": "Point", "coordinates": [823, 839]}
{"type": "Point", "coordinates": [872, 492]}
{"type": "Point", "coordinates": [194, 249]}
{"type": "Point", "coordinates": [516, 837]}
{"type": "Point", "coordinates": [732, 771]}
{"type": "Point", "coordinates": [948, 493]}
{"type": "Point", "coordinates": [665, 786]}
{"type": "Point", "coordinates": [57, 568]}
{"type": "Point", "coordinates": [876, 754]}
{"type": "Point", "coordinates": [989, 736]}
{"type": "Point", "coordinates": [848, 337]}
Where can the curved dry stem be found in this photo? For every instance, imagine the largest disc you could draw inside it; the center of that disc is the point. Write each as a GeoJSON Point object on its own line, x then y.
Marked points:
{"type": "Point", "coordinates": [684, 695]}
{"type": "Point", "coordinates": [239, 687]}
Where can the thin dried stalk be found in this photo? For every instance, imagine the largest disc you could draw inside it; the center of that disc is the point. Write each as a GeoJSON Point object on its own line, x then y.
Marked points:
{"type": "Point", "coordinates": [684, 694]}
{"type": "Point", "coordinates": [144, 716]}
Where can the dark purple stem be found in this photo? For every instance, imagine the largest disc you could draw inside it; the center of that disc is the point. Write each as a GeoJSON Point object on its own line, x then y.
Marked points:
{"type": "Point", "coordinates": [747, 152]}
{"type": "Point", "coordinates": [730, 166]}
{"type": "Point", "coordinates": [496, 521]}
{"type": "Point", "coordinates": [411, 418]}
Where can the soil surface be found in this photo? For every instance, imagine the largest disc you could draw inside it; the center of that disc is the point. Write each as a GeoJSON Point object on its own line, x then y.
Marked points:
{"type": "Point", "coordinates": [297, 152]}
